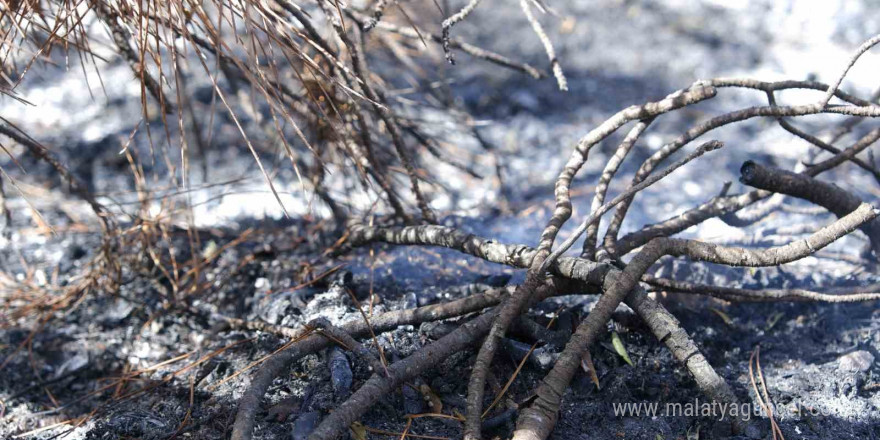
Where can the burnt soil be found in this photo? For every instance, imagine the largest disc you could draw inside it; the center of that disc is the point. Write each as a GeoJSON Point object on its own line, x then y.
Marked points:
{"type": "Point", "coordinates": [804, 351]}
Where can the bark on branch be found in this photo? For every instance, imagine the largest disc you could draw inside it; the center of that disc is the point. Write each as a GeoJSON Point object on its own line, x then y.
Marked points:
{"type": "Point", "coordinates": [250, 402]}
{"type": "Point", "coordinates": [827, 195]}
{"type": "Point", "coordinates": [426, 358]}
{"type": "Point", "coordinates": [512, 307]}
{"type": "Point", "coordinates": [662, 324]}
{"type": "Point", "coordinates": [537, 421]}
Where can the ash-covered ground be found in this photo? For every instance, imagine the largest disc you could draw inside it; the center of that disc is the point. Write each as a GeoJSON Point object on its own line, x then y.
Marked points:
{"type": "Point", "coordinates": [818, 358]}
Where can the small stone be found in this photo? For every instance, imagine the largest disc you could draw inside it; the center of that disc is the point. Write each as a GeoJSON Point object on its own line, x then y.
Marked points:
{"type": "Point", "coordinates": [74, 363]}
{"type": "Point", "coordinates": [856, 361]}
{"type": "Point", "coordinates": [413, 403]}
{"type": "Point", "coordinates": [40, 277]}
{"type": "Point", "coordinates": [117, 311]}
{"type": "Point", "coordinates": [261, 284]}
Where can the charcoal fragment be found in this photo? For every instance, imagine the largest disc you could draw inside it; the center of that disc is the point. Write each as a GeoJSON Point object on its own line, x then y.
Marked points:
{"type": "Point", "coordinates": [413, 403]}
{"type": "Point", "coordinates": [539, 358]}
{"type": "Point", "coordinates": [340, 373]}
{"type": "Point", "coordinates": [499, 280]}
{"type": "Point", "coordinates": [499, 420]}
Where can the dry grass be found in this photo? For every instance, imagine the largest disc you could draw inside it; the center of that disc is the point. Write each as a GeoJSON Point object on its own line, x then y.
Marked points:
{"type": "Point", "coordinates": [305, 88]}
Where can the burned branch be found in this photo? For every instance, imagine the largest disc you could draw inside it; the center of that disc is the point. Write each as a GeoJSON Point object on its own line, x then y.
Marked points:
{"type": "Point", "coordinates": [537, 421]}
{"type": "Point", "coordinates": [827, 195]}
{"type": "Point", "coordinates": [765, 295]}
{"type": "Point", "coordinates": [307, 343]}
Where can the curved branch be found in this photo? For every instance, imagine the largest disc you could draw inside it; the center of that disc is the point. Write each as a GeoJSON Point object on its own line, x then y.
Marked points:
{"type": "Point", "coordinates": [608, 173]}
{"type": "Point", "coordinates": [829, 196]}
{"type": "Point", "coordinates": [669, 331]}
{"type": "Point", "coordinates": [867, 45]}
{"type": "Point", "coordinates": [537, 421]}
{"type": "Point", "coordinates": [868, 110]}
{"type": "Point", "coordinates": [725, 207]}
{"type": "Point", "coordinates": [775, 86]}
{"type": "Point", "coordinates": [716, 207]}
{"type": "Point", "coordinates": [753, 214]}
{"type": "Point", "coordinates": [452, 21]}
{"type": "Point", "coordinates": [548, 45]}
{"type": "Point", "coordinates": [378, 11]}
{"type": "Point", "coordinates": [863, 143]}
{"type": "Point", "coordinates": [594, 217]}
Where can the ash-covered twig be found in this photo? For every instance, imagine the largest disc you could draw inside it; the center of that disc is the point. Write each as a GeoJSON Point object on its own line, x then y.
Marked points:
{"type": "Point", "coordinates": [561, 82]}
{"type": "Point", "coordinates": [611, 167]}
{"type": "Point", "coordinates": [594, 217]}
{"type": "Point", "coordinates": [520, 256]}
{"type": "Point", "coordinates": [452, 21]}
{"type": "Point", "coordinates": [775, 86]}
{"type": "Point", "coordinates": [763, 295]}
{"type": "Point", "coordinates": [669, 331]}
{"type": "Point", "coordinates": [378, 11]}
{"type": "Point", "coordinates": [867, 45]}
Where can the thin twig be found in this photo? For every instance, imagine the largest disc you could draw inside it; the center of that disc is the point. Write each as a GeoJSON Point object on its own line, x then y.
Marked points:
{"type": "Point", "coordinates": [548, 45]}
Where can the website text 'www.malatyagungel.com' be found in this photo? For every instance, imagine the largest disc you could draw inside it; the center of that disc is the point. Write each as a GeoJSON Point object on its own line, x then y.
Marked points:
{"type": "Point", "coordinates": [720, 411]}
